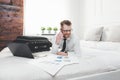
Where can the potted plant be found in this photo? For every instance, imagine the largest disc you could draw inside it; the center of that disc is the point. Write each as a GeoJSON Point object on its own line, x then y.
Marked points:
{"type": "Point", "coordinates": [43, 29]}
{"type": "Point", "coordinates": [49, 29]}
{"type": "Point", "coordinates": [55, 29]}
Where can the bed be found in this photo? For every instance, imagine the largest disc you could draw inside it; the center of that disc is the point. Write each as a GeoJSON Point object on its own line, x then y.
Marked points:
{"type": "Point", "coordinates": [100, 60]}
{"type": "Point", "coordinates": [96, 63]}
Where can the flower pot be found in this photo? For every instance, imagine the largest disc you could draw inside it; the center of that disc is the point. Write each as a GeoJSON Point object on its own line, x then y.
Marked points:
{"type": "Point", "coordinates": [55, 32]}
{"type": "Point", "coordinates": [49, 31]}
{"type": "Point", "coordinates": [42, 31]}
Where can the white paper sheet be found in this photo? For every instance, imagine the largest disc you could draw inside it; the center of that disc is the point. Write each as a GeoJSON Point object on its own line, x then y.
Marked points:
{"type": "Point", "coordinates": [53, 63]}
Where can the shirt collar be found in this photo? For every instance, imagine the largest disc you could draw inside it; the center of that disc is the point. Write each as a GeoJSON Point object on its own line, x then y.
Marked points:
{"type": "Point", "coordinates": [69, 37]}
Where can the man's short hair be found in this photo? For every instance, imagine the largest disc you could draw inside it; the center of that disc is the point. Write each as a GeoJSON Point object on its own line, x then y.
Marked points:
{"type": "Point", "coordinates": [66, 22]}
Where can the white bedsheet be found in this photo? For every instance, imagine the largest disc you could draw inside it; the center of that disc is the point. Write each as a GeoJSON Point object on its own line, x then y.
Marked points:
{"type": "Point", "coordinates": [101, 45]}
{"type": "Point", "coordinates": [92, 61]}
{"type": "Point", "coordinates": [54, 63]}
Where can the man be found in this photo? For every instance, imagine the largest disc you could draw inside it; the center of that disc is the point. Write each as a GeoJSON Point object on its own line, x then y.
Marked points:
{"type": "Point", "coordinates": [65, 41]}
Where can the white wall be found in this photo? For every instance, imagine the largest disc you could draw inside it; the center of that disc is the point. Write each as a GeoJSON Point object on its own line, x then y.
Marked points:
{"type": "Point", "coordinates": [102, 12]}
{"type": "Point", "coordinates": [83, 14]}
{"type": "Point", "coordinates": [44, 13]}
{"type": "Point", "coordinates": [111, 12]}
{"type": "Point", "coordinates": [49, 13]}
{"type": "Point", "coordinates": [77, 8]}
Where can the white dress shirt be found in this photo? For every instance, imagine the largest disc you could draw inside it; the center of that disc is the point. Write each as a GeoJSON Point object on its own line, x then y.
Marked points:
{"type": "Point", "coordinates": [72, 45]}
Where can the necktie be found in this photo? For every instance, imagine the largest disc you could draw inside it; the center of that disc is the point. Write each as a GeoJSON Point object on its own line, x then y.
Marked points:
{"type": "Point", "coordinates": [64, 46]}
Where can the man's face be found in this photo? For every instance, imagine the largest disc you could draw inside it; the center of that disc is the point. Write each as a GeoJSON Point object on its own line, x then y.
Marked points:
{"type": "Point", "coordinates": [66, 30]}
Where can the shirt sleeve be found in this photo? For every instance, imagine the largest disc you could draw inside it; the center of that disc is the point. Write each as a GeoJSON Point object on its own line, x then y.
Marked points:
{"type": "Point", "coordinates": [77, 47]}
{"type": "Point", "coordinates": [55, 47]}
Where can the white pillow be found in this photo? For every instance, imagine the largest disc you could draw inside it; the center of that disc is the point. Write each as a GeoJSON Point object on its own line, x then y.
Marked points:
{"type": "Point", "coordinates": [93, 34]}
{"type": "Point", "coordinates": [111, 33]}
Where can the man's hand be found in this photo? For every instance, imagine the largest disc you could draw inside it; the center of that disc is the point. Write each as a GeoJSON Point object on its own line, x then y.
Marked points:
{"type": "Point", "coordinates": [62, 53]}
{"type": "Point", "coordinates": [59, 37]}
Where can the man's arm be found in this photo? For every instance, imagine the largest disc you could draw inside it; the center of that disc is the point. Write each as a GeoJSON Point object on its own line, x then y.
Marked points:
{"type": "Point", "coordinates": [55, 47]}
{"type": "Point", "coordinates": [77, 47]}
{"type": "Point", "coordinates": [56, 43]}
{"type": "Point", "coordinates": [62, 53]}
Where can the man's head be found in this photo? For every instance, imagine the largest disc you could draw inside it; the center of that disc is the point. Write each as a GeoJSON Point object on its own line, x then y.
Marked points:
{"type": "Point", "coordinates": [66, 28]}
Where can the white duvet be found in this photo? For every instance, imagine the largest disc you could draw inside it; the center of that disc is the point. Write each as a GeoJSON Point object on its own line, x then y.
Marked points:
{"type": "Point", "coordinates": [92, 61]}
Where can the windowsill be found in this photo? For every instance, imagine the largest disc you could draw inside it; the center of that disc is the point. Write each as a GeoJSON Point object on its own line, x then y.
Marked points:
{"type": "Point", "coordinates": [48, 34]}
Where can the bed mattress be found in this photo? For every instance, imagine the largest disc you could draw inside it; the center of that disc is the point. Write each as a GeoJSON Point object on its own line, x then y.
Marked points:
{"type": "Point", "coordinates": [92, 62]}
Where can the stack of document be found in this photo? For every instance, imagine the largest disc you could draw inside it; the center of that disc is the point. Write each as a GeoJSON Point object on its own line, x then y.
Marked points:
{"type": "Point", "coordinates": [53, 63]}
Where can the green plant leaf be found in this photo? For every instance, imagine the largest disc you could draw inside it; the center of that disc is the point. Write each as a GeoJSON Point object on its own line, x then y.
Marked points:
{"type": "Point", "coordinates": [43, 28]}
